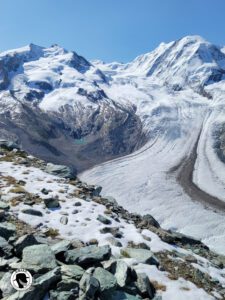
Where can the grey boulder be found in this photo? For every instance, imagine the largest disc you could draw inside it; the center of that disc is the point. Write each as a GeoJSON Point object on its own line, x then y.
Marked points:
{"type": "Point", "coordinates": [61, 247]}
{"type": "Point", "coordinates": [5, 285]}
{"type": "Point", "coordinates": [60, 170]}
{"type": "Point", "coordinates": [119, 295]}
{"type": "Point", "coordinates": [39, 288]}
{"type": "Point", "coordinates": [72, 271]}
{"type": "Point", "coordinates": [144, 286]}
{"type": "Point", "coordinates": [122, 273]}
{"type": "Point", "coordinates": [4, 205]}
{"type": "Point", "coordinates": [33, 212]}
{"type": "Point", "coordinates": [103, 220]}
{"type": "Point", "coordinates": [88, 255]}
{"type": "Point", "coordinates": [5, 248]}
{"type": "Point", "coordinates": [89, 285]}
{"type": "Point", "coordinates": [141, 255]}
{"type": "Point", "coordinates": [38, 258]}
{"type": "Point", "coordinates": [7, 230]}
{"type": "Point", "coordinates": [23, 242]}
{"type": "Point", "coordinates": [51, 203]}
{"type": "Point", "coordinates": [106, 280]}
{"type": "Point", "coordinates": [8, 144]}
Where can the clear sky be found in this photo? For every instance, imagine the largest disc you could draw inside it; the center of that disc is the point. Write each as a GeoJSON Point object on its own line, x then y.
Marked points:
{"type": "Point", "coordinates": [109, 29]}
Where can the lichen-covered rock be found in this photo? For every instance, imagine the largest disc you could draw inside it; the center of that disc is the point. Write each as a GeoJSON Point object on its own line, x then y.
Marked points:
{"type": "Point", "coordinates": [72, 271]}
{"type": "Point", "coordinates": [97, 190]}
{"type": "Point", "coordinates": [39, 288]}
{"type": "Point", "coordinates": [23, 242]}
{"type": "Point", "coordinates": [88, 255]}
{"type": "Point", "coordinates": [5, 248]}
{"type": "Point", "coordinates": [120, 295]}
{"type": "Point", "coordinates": [8, 144]}
{"type": "Point", "coordinates": [7, 230]}
{"type": "Point", "coordinates": [114, 242]}
{"type": "Point", "coordinates": [107, 280]}
{"type": "Point", "coordinates": [5, 285]}
{"type": "Point", "coordinates": [141, 255]}
{"type": "Point", "coordinates": [111, 200]}
{"type": "Point", "coordinates": [4, 205]}
{"type": "Point", "coordinates": [145, 288]}
{"type": "Point", "coordinates": [38, 258]}
{"type": "Point", "coordinates": [61, 247]}
{"type": "Point", "coordinates": [60, 170]}
{"type": "Point", "coordinates": [89, 285]}
{"type": "Point", "coordinates": [148, 220]}
{"type": "Point", "coordinates": [56, 295]}
{"type": "Point", "coordinates": [51, 202]}
{"type": "Point", "coordinates": [122, 273]}
{"type": "Point", "coordinates": [103, 220]}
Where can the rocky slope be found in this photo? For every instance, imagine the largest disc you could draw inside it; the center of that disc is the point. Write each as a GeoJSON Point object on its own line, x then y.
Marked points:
{"type": "Point", "coordinates": [80, 245]}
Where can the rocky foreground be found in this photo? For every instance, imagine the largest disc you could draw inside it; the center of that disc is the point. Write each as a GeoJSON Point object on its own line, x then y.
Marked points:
{"type": "Point", "coordinates": [79, 245]}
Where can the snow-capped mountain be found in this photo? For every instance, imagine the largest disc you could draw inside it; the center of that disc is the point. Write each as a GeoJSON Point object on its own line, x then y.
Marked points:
{"type": "Point", "coordinates": [51, 101]}
{"type": "Point", "coordinates": [166, 106]}
{"type": "Point", "coordinates": [191, 61]}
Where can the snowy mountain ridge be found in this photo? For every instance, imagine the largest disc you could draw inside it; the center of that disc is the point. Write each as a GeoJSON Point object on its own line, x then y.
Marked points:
{"type": "Point", "coordinates": [62, 89]}
{"type": "Point", "coordinates": [158, 121]}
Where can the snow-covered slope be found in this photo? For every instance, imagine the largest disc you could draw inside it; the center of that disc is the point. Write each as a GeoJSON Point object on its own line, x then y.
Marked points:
{"type": "Point", "coordinates": [180, 99]}
{"type": "Point", "coordinates": [55, 217]}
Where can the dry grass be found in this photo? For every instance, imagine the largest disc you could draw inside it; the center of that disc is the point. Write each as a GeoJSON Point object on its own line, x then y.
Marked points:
{"type": "Point", "coordinates": [172, 276]}
{"type": "Point", "coordinates": [158, 286]}
{"type": "Point", "coordinates": [9, 180]}
{"type": "Point", "coordinates": [17, 190]}
{"type": "Point", "coordinates": [8, 158]}
{"type": "Point", "coordinates": [11, 156]}
{"type": "Point", "coordinates": [52, 232]}
{"type": "Point", "coordinates": [15, 201]}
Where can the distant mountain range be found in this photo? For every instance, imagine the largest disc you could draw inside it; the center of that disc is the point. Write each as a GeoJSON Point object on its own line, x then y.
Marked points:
{"type": "Point", "coordinates": [166, 108]}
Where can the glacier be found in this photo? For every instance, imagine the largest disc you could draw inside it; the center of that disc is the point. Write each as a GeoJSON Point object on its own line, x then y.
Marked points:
{"type": "Point", "coordinates": [178, 175]}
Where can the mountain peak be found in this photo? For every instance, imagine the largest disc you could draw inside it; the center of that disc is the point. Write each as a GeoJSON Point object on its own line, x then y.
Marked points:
{"type": "Point", "coordinates": [191, 61]}
{"type": "Point", "coordinates": [193, 39]}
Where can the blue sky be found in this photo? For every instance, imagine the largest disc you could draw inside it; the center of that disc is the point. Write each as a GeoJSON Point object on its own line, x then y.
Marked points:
{"type": "Point", "coordinates": [109, 29]}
